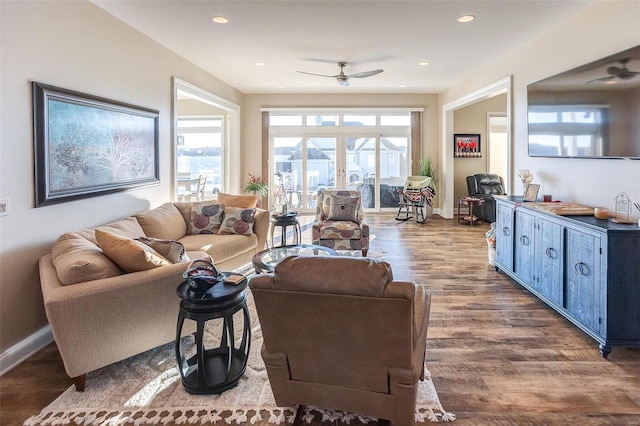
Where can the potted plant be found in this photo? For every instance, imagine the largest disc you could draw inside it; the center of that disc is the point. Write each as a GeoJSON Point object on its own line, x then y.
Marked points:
{"type": "Point", "coordinates": [427, 168]}
{"type": "Point", "coordinates": [257, 186]}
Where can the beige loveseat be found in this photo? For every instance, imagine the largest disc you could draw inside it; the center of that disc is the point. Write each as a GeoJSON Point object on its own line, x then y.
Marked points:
{"type": "Point", "coordinates": [100, 314]}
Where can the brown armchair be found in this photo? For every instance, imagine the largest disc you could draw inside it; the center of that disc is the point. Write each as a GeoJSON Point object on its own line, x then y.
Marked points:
{"type": "Point", "coordinates": [339, 333]}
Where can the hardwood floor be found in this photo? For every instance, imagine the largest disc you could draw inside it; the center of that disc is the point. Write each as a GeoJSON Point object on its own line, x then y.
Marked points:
{"type": "Point", "coordinates": [497, 355]}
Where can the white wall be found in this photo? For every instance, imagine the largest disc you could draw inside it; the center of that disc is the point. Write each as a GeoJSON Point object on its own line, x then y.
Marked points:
{"type": "Point", "coordinates": [601, 29]}
{"type": "Point", "coordinates": [78, 46]}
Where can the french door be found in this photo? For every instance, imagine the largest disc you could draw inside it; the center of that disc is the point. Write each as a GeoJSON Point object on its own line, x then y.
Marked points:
{"type": "Point", "coordinates": [377, 166]}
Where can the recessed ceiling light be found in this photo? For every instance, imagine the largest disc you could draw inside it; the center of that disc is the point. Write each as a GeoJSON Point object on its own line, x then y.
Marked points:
{"type": "Point", "coordinates": [466, 18]}
{"type": "Point", "coordinates": [402, 86]}
{"type": "Point", "coordinates": [260, 64]}
{"type": "Point", "coordinates": [423, 63]}
{"type": "Point", "coordinates": [219, 19]}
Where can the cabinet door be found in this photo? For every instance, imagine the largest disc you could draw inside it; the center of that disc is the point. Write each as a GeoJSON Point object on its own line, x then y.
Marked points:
{"type": "Point", "coordinates": [549, 259]}
{"type": "Point", "coordinates": [504, 235]}
{"type": "Point", "coordinates": [524, 244]}
{"type": "Point", "coordinates": [583, 278]}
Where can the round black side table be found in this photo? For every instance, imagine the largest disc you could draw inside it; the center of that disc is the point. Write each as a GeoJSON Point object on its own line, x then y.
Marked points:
{"type": "Point", "coordinates": [213, 370]}
{"type": "Point", "coordinates": [282, 221]}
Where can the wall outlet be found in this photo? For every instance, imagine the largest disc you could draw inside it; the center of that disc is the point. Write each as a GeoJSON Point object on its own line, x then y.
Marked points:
{"type": "Point", "coordinates": [4, 207]}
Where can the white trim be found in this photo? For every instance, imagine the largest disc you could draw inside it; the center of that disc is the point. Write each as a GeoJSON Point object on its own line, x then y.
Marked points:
{"type": "Point", "coordinates": [232, 154]}
{"type": "Point", "coordinates": [497, 88]}
{"type": "Point", "coordinates": [24, 349]}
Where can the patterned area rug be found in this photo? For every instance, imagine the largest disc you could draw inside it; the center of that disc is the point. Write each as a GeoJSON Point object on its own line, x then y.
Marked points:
{"type": "Point", "coordinates": [146, 390]}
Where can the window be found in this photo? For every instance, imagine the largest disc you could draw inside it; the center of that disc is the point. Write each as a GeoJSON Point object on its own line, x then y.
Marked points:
{"type": "Point", "coordinates": [368, 151]}
{"type": "Point", "coordinates": [200, 152]}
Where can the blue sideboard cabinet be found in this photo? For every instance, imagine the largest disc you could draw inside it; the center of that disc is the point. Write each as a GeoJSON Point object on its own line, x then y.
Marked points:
{"type": "Point", "coordinates": [586, 269]}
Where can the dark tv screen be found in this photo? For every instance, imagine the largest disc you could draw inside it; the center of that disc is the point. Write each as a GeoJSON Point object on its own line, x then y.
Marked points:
{"type": "Point", "coordinates": [592, 111]}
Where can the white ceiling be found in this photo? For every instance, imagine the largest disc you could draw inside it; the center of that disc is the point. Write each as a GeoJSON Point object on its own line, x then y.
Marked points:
{"type": "Point", "coordinates": [312, 36]}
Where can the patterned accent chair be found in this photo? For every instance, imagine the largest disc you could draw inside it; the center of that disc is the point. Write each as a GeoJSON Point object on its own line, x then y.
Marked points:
{"type": "Point", "coordinates": [339, 234]}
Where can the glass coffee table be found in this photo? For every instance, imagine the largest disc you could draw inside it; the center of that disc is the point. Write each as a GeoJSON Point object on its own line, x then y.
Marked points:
{"type": "Point", "coordinates": [266, 260]}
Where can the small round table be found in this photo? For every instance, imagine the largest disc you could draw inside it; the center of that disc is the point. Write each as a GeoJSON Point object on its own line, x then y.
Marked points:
{"type": "Point", "coordinates": [282, 221]}
{"type": "Point", "coordinates": [266, 260]}
{"type": "Point", "coordinates": [213, 370]}
{"type": "Point", "coordinates": [471, 202]}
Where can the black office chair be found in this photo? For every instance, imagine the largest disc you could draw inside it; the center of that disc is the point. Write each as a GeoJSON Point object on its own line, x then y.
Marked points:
{"type": "Point", "coordinates": [485, 186]}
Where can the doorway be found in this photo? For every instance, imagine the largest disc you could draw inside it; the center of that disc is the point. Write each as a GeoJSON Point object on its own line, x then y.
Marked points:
{"type": "Point", "coordinates": [199, 114]}
{"type": "Point", "coordinates": [447, 195]}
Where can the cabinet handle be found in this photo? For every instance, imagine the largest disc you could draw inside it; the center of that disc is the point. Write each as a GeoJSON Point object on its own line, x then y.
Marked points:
{"type": "Point", "coordinates": [506, 231]}
{"type": "Point", "coordinates": [579, 268]}
{"type": "Point", "coordinates": [524, 240]}
{"type": "Point", "coordinates": [551, 253]}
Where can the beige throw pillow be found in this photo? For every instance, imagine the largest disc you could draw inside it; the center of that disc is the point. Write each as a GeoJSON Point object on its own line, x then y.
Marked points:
{"type": "Point", "coordinates": [237, 221]}
{"type": "Point", "coordinates": [343, 208]}
{"type": "Point", "coordinates": [244, 201]}
{"type": "Point", "coordinates": [77, 260]}
{"type": "Point", "coordinates": [129, 254]}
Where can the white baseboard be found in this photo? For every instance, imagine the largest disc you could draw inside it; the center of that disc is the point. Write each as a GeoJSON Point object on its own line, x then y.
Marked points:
{"type": "Point", "coordinates": [24, 349]}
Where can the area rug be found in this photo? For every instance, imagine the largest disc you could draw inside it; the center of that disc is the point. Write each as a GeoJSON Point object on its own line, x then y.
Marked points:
{"type": "Point", "coordinates": [146, 390]}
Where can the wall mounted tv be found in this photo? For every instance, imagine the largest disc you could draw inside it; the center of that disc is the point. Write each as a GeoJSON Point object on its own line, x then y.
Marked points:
{"type": "Point", "coordinates": [592, 111]}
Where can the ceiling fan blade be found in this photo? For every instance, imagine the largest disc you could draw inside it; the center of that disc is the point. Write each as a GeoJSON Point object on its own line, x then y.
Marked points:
{"type": "Point", "coordinates": [601, 80]}
{"type": "Point", "coordinates": [365, 74]}
{"type": "Point", "coordinates": [318, 75]}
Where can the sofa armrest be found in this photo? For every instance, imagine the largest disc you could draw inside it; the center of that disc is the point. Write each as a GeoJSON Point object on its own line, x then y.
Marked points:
{"type": "Point", "coordinates": [97, 323]}
{"type": "Point", "coordinates": [261, 227]}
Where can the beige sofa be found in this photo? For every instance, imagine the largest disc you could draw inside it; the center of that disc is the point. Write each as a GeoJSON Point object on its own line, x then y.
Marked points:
{"type": "Point", "coordinates": [100, 314]}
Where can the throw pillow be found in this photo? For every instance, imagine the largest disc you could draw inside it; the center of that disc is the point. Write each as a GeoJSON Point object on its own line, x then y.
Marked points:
{"type": "Point", "coordinates": [205, 218]}
{"type": "Point", "coordinates": [237, 221]}
{"type": "Point", "coordinates": [129, 254]}
{"type": "Point", "coordinates": [343, 208]}
{"type": "Point", "coordinates": [172, 250]}
{"type": "Point", "coordinates": [244, 201]}
{"type": "Point", "coordinates": [77, 260]}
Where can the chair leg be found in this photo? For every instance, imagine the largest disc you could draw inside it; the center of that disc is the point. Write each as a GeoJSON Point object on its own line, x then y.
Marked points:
{"type": "Point", "coordinates": [364, 253]}
{"type": "Point", "coordinates": [299, 413]}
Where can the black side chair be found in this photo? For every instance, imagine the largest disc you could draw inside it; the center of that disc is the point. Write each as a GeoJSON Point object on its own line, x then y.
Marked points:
{"type": "Point", "coordinates": [485, 186]}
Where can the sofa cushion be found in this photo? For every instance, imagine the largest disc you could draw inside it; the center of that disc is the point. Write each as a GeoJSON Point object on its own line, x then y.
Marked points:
{"type": "Point", "coordinates": [164, 222]}
{"type": "Point", "coordinates": [343, 208]}
{"type": "Point", "coordinates": [77, 260]}
{"type": "Point", "coordinates": [244, 200]}
{"type": "Point", "coordinates": [237, 221]}
{"type": "Point", "coordinates": [128, 227]}
{"type": "Point", "coordinates": [129, 254]}
{"type": "Point", "coordinates": [171, 250]}
{"type": "Point", "coordinates": [205, 218]}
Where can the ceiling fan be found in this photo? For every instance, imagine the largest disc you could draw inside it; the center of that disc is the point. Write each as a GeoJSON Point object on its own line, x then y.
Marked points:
{"type": "Point", "coordinates": [342, 78]}
{"type": "Point", "coordinates": [621, 73]}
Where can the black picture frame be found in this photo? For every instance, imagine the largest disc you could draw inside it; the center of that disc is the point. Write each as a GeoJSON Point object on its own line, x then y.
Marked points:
{"type": "Point", "coordinates": [86, 146]}
{"type": "Point", "coordinates": [466, 145]}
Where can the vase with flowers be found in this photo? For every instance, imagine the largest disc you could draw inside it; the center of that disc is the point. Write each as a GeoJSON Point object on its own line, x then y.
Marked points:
{"type": "Point", "coordinates": [257, 186]}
